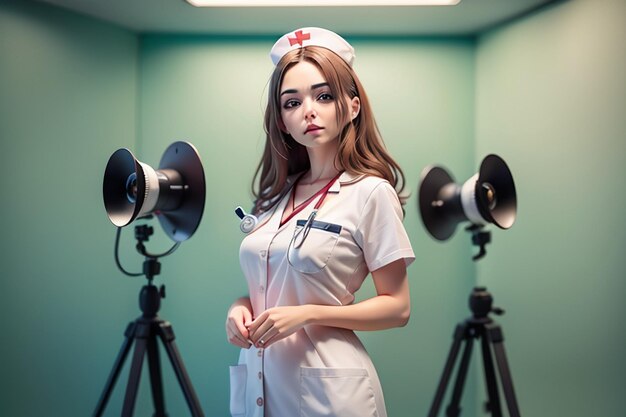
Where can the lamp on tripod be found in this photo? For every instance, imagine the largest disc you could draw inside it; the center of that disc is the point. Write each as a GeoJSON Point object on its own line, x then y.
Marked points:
{"type": "Point", "coordinates": [175, 194]}
{"type": "Point", "coordinates": [488, 197]}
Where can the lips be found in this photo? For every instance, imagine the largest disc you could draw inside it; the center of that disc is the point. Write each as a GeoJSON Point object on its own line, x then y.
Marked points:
{"type": "Point", "coordinates": [313, 128]}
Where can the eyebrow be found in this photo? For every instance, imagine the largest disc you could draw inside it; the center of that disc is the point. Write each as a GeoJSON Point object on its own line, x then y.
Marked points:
{"type": "Point", "coordinates": [313, 87]}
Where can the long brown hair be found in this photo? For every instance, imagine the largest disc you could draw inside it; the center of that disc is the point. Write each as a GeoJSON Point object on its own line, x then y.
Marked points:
{"type": "Point", "coordinates": [361, 148]}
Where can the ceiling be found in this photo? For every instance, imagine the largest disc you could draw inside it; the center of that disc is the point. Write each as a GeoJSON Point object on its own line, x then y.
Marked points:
{"type": "Point", "coordinates": [177, 16]}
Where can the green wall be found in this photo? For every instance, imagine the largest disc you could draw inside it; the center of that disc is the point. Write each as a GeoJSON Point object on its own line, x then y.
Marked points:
{"type": "Point", "coordinates": [68, 98]}
{"type": "Point", "coordinates": [551, 99]}
{"type": "Point", "coordinates": [74, 90]}
{"type": "Point", "coordinates": [545, 92]}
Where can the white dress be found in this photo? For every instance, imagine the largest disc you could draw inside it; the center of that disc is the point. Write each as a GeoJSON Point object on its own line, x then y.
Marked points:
{"type": "Point", "coordinates": [319, 370]}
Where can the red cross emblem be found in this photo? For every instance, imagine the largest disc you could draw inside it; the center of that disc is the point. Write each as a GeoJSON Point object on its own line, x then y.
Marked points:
{"type": "Point", "coordinates": [299, 38]}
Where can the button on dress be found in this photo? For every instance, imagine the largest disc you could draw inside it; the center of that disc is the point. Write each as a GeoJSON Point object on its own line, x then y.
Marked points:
{"type": "Point", "coordinates": [318, 370]}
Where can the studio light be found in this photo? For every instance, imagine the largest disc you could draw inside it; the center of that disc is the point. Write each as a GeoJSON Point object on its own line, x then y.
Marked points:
{"type": "Point", "coordinates": [175, 192]}
{"type": "Point", "coordinates": [488, 197]}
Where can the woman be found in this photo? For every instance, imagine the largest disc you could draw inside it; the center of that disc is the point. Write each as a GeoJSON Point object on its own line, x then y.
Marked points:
{"type": "Point", "coordinates": [328, 215]}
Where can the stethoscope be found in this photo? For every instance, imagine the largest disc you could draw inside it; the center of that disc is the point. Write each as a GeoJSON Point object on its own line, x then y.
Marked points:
{"type": "Point", "coordinates": [300, 235]}
{"type": "Point", "coordinates": [250, 221]}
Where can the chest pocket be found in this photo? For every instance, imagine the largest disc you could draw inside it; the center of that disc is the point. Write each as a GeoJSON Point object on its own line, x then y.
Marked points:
{"type": "Point", "coordinates": [312, 245]}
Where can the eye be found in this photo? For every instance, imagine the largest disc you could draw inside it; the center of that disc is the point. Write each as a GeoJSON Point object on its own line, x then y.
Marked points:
{"type": "Point", "coordinates": [325, 96]}
{"type": "Point", "coordinates": [291, 103]}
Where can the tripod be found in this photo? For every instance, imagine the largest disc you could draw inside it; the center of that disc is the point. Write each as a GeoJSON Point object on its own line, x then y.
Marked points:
{"type": "Point", "coordinates": [144, 331]}
{"type": "Point", "coordinates": [482, 327]}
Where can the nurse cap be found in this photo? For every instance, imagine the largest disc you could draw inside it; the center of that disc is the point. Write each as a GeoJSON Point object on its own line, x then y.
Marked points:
{"type": "Point", "coordinates": [312, 36]}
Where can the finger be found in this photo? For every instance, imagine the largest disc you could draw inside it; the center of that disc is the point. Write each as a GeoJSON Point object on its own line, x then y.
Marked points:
{"type": "Point", "coordinates": [261, 330]}
{"type": "Point", "coordinates": [266, 335]}
{"type": "Point", "coordinates": [242, 330]}
{"type": "Point", "coordinates": [238, 323]}
{"type": "Point", "coordinates": [253, 325]}
{"type": "Point", "coordinates": [236, 337]}
{"type": "Point", "coordinates": [247, 318]}
{"type": "Point", "coordinates": [268, 338]}
{"type": "Point", "coordinates": [237, 341]}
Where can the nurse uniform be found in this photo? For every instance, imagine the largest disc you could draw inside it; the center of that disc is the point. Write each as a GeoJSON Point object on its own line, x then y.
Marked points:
{"type": "Point", "coordinates": [318, 370]}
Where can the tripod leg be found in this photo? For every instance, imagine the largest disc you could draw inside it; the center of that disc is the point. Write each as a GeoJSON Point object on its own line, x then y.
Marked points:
{"type": "Point", "coordinates": [453, 409]}
{"type": "Point", "coordinates": [141, 334]}
{"type": "Point", "coordinates": [497, 339]}
{"type": "Point", "coordinates": [493, 404]}
{"type": "Point", "coordinates": [167, 335]}
{"type": "Point", "coordinates": [115, 372]}
{"type": "Point", "coordinates": [459, 334]}
{"type": "Point", "coordinates": [156, 381]}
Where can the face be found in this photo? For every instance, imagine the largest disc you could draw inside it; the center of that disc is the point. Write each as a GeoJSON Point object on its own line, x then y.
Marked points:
{"type": "Point", "coordinates": [308, 107]}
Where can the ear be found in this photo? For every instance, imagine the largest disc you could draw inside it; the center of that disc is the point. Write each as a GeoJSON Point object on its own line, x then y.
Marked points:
{"type": "Point", "coordinates": [355, 107]}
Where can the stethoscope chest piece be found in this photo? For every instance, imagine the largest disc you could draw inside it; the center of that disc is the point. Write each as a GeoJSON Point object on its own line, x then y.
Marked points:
{"type": "Point", "coordinates": [248, 221]}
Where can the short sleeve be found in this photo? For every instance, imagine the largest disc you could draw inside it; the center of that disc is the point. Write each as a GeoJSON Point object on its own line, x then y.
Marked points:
{"type": "Point", "coordinates": [380, 233]}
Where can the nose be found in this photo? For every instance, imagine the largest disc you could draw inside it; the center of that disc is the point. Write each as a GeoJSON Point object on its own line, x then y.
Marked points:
{"type": "Point", "coordinates": [309, 110]}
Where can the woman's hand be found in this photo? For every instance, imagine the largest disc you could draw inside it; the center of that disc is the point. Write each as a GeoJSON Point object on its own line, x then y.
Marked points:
{"type": "Point", "coordinates": [277, 323]}
{"type": "Point", "coordinates": [239, 315]}
{"type": "Point", "coordinates": [391, 307]}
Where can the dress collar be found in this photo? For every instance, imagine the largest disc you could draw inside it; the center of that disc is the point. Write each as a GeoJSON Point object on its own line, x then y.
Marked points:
{"type": "Point", "coordinates": [345, 178]}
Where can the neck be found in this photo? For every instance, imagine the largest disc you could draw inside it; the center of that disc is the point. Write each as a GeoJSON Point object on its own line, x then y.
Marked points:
{"type": "Point", "coordinates": [322, 167]}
